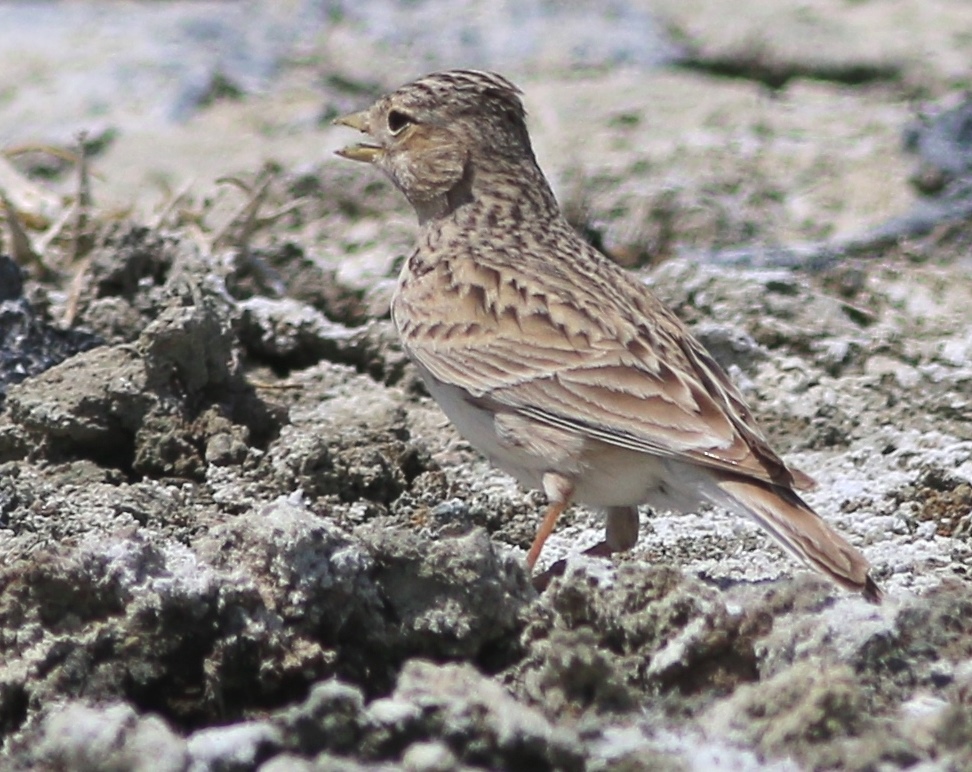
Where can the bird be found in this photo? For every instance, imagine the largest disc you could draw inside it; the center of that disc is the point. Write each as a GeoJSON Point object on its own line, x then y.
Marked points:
{"type": "Point", "coordinates": [557, 364]}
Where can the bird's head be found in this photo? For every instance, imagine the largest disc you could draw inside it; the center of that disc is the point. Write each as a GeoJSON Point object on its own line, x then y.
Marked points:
{"type": "Point", "coordinates": [434, 135]}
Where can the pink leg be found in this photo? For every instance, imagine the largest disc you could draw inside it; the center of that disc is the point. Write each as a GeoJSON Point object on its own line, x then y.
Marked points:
{"type": "Point", "coordinates": [559, 490]}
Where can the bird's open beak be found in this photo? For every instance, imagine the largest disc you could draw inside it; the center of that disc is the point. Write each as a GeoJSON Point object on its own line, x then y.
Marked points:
{"type": "Point", "coordinates": [362, 151]}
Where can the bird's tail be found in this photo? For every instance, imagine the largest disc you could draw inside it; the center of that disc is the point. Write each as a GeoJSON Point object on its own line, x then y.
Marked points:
{"type": "Point", "coordinates": [801, 532]}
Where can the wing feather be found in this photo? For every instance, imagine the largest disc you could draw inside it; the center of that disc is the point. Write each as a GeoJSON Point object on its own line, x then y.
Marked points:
{"type": "Point", "coordinates": [612, 365]}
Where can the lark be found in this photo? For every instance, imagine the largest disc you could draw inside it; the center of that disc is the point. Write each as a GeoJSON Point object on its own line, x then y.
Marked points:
{"type": "Point", "coordinates": [559, 366]}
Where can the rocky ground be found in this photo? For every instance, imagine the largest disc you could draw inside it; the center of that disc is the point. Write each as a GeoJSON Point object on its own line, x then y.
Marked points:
{"type": "Point", "coordinates": [236, 532]}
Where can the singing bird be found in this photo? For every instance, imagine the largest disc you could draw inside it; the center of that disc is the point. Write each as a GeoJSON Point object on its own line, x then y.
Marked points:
{"type": "Point", "coordinates": [555, 363]}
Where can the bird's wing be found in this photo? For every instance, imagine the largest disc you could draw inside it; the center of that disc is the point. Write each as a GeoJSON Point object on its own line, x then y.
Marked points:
{"type": "Point", "coordinates": [611, 362]}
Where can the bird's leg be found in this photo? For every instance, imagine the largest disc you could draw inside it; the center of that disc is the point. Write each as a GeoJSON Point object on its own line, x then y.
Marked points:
{"type": "Point", "coordinates": [546, 528]}
{"type": "Point", "coordinates": [620, 532]}
{"type": "Point", "coordinates": [621, 528]}
{"type": "Point", "coordinates": [559, 490]}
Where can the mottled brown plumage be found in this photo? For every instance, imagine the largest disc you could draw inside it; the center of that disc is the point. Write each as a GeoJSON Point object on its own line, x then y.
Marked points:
{"type": "Point", "coordinates": [558, 365]}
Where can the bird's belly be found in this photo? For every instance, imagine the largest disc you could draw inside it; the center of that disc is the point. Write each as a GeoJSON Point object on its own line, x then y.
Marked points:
{"type": "Point", "coordinates": [603, 475]}
{"type": "Point", "coordinates": [616, 477]}
{"type": "Point", "coordinates": [478, 426]}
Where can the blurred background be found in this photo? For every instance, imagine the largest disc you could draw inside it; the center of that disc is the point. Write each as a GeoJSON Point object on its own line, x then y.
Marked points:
{"type": "Point", "coordinates": [666, 127]}
{"type": "Point", "coordinates": [169, 91]}
{"type": "Point", "coordinates": [165, 89]}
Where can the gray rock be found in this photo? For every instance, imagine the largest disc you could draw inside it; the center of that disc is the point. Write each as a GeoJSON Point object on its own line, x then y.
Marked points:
{"type": "Point", "coordinates": [98, 398]}
{"type": "Point", "coordinates": [138, 406]}
{"type": "Point", "coordinates": [113, 737]}
{"type": "Point", "coordinates": [293, 334]}
{"type": "Point", "coordinates": [11, 279]}
{"type": "Point", "coordinates": [237, 748]}
{"type": "Point", "coordinates": [479, 720]}
{"type": "Point", "coordinates": [329, 719]}
{"type": "Point", "coordinates": [648, 629]}
{"type": "Point", "coordinates": [454, 597]}
{"type": "Point", "coordinates": [355, 448]}
{"type": "Point", "coordinates": [29, 344]}
{"type": "Point", "coordinates": [429, 757]}
{"type": "Point", "coordinates": [287, 762]}
{"type": "Point", "coordinates": [288, 333]}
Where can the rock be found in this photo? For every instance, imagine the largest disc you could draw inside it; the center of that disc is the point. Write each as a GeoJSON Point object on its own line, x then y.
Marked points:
{"type": "Point", "coordinates": [286, 762]}
{"type": "Point", "coordinates": [604, 640]}
{"type": "Point", "coordinates": [799, 712]}
{"type": "Point", "coordinates": [288, 272]}
{"type": "Point", "coordinates": [482, 724]}
{"type": "Point", "coordinates": [237, 748]}
{"type": "Point", "coordinates": [429, 757]}
{"type": "Point", "coordinates": [189, 348]}
{"type": "Point", "coordinates": [329, 719]}
{"type": "Point", "coordinates": [943, 145]}
{"type": "Point", "coordinates": [135, 406]}
{"type": "Point", "coordinates": [93, 402]}
{"type": "Point", "coordinates": [292, 334]}
{"type": "Point", "coordinates": [289, 334]}
{"type": "Point", "coordinates": [29, 345]}
{"type": "Point", "coordinates": [90, 739]}
{"type": "Point", "coordinates": [731, 347]}
{"type": "Point", "coordinates": [453, 597]}
{"type": "Point", "coordinates": [353, 447]}
{"type": "Point", "coordinates": [11, 279]}
{"type": "Point", "coordinates": [123, 286]}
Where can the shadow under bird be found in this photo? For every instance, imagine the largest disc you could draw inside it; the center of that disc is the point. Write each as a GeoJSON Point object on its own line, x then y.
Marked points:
{"type": "Point", "coordinates": [557, 364]}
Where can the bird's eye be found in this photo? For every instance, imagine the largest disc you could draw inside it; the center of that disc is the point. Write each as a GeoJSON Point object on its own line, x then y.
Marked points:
{"type": "Point", "coordinates": [398, 120]}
